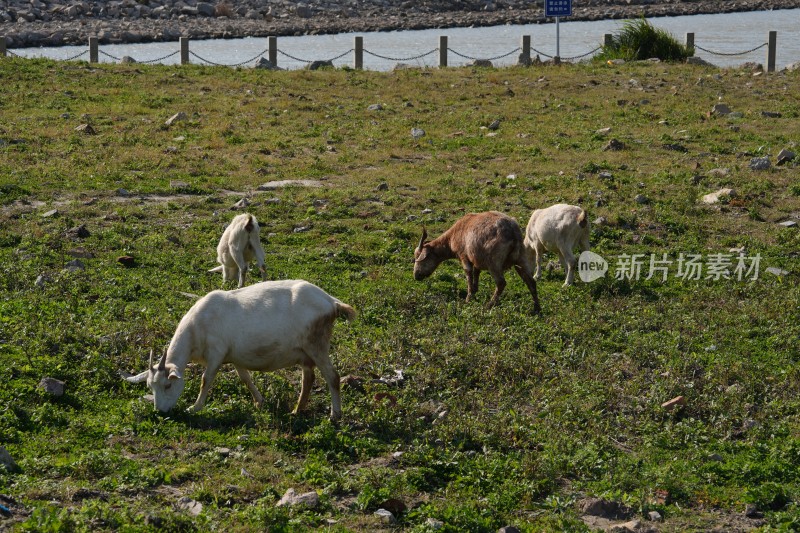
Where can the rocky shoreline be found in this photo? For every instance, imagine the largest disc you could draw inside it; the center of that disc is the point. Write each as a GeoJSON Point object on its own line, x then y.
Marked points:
{"type": "Point", "coordinates": [34, 23]}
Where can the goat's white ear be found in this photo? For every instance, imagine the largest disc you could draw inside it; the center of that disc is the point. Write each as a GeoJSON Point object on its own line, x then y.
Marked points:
{"type": "Point", "coordinates": [138, 378]}
{"type": "Point", "coordinates": [174, 374]}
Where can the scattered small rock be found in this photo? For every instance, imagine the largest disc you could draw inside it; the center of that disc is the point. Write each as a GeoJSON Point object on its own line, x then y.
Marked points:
{"type": "Point", "coordinates": [78, 232]}
{"type": "Point", "coordinates": [7, 461]}
{"type": "Point", "coordinates": [770, 114]}
{"type": "Point", "coordinates": [603, 131]}
{"type": "Point", "coordinates": [675, 147]}
{"type": "Point", "coordinates": [721, 109]}
{"type": "Point", "coordinates": [279, 184]}
{"type": "Point", "coordinates": [641, 199]}
{"type": "Point", "coordinates": [417, 133]}
{"type": "Point", "coordinates": [385, 516]}
{"type": "Point", "coordinates": [126, 261]}
{"type": "Point", "coordinates": [434, 524]}
{"type": "Point", "coordinates": [122, 192]}
{"type": "Point", "coordinates": [481, 63]}
{"type": "Point", "coordinates": [655, 516]}
{"type": "Point", "coordinates": [494, 125]}
{"type": "Point", "coordinates": [241, 204]}
{"type": "Point", "coordinates": [86, 128]}
{"type": "Point", "coordinates": [266, 64]}
{"type": "Point", "coordinates": [775, 271]}
{"type": "Point", "coordinates": [375, 107]}
{"type": "Point", "coordinates": [382, 187]}
{"type": "Point", "coordinates": [41, 280]}
{"type": "Point", "coordinates": [751, 511]}
{"type": "Point", "coordinates": [290, 498]}
{"type": "Point", "coordinates": [49, 214]}
{"type": "Point", "coordinates": [320, 64]}
{"type": "Point", "coordinates": [52, 386]}
{"type": "Point", "coordinates": [75, 265]}
{"type": "Point", "coordinates": [508, 529]}
{"type": "Point", "coordinates": [628, 527]}
{"type": "Point", "coordinates": [760, 163]}
{"type": "Point", "coordinates": [788, 223]}
{"type": "Point", "coordinates": [603, 508]}
{"type": "Point", "coordinates": [394, 506]}
{"type": "Point", "coordinates": [784, 156]}
{"type": "Point", "coordinates": [673, 403]}
{"type": "Point", "coordinates": [614, 145]}
{"type": "Point", "coordinates": [193, 507]}
{"type": "Point", "coordinates": [177, 117]}
{"type": "Point", "coordinates": [715, 197]}
{"type": "Point", "coordinates": [718, 172]}
{"type": "Point", "coordinates": [600, 221]}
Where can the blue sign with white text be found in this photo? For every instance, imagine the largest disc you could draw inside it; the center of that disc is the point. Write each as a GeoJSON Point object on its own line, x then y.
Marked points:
{"type": "Point", "coordinates": [557, 8]}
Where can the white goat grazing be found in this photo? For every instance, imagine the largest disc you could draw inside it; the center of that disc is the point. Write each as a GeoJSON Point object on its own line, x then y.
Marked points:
{"type": "Point", "coordinates": [265, 327]}
{"type": "Point", "coordinates": [558, 228]}
{"type": "Point", "coordinates": [240, 244]}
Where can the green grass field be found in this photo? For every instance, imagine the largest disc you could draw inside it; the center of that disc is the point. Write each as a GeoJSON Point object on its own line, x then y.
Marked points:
{"type": "Point", "coordinates": [501, 417]}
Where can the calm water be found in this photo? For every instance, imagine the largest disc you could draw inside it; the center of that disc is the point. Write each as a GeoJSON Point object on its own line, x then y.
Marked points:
{"type": "Point", "coordinates": [727, 33]}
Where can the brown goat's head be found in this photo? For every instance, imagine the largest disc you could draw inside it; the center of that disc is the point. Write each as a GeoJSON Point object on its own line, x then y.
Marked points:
{"type": "Point", "coordinates": [425, 259]}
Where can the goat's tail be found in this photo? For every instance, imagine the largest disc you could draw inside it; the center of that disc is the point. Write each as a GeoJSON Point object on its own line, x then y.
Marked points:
{"type": "Point", "coordinates": [217, 269]}
{"type": "Point", "coordinates": [345, 311]}
{"type": "Point", "coordinates": [251, 223]}
{"type": "Point", "coordinates": [583, 218]}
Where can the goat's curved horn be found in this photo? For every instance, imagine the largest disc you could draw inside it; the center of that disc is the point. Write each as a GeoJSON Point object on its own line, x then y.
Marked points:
{"type": "Point", "coordinates": [162, 364]}
{"type": "Point", "coordinates": [150, 365]}
{"type": "Point", "coordinates": [424, 236]}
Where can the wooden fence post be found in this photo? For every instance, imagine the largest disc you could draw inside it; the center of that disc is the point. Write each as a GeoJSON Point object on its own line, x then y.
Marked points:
{"type": "Point", "coordinates": [771, 50]}
{"type": "Point", "coordinates": [272, 50]}
{"type": "Point", "coordinates": [358, 59]}
{"type": "Point", "coordinates": [690, 41]}
{"type": "Point", "coordinates": [93, 55]}
{"type": "Point", "coordinates": [442, 50]}
{"type": "Point", "coordinates": [608, 39]}
{"type": "Point", "coordinates": [3, 46]}
{"type": "Point", "coordinates": [184, 45]}
{"type": "Point", "coordinates": [525, 56]}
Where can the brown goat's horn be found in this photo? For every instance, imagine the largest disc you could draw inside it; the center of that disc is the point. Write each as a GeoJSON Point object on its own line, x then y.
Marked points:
{"type": "Point", "coordinates": [424, 236]}
{"type": "Point", "coordinates": [151, 359]}
{"type": "Point", "coordinates": [162, 365]}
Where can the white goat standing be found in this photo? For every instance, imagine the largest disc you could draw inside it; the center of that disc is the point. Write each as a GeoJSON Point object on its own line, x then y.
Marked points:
{"type": "Point", "coordinates": [265, 327]}
{"type": "Point", "coordinates": [240, 244]}
{"type": "Point", "coordinates": [558, 228]}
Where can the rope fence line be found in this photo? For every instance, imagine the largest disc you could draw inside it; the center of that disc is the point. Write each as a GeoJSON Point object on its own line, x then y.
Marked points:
{"type": "Point", "coordinates": [358, 52]}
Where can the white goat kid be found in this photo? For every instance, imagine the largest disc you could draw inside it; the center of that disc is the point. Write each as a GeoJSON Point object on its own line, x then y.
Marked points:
{"type": "Point", "coordinates": [265, 327]}
{"type": "Point", "coordinates": [239, 245]}
{"type": "Point", "coordinates": [558, 228]}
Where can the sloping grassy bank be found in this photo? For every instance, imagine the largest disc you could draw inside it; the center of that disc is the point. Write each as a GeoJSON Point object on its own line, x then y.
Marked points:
{"type": "Point", "coordinates": [498, 417]}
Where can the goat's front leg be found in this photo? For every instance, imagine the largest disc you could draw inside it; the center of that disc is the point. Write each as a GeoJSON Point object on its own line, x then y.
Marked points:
{"type": "Point", "coordinates": [305, 388]}
{"type": "Point", "coordinates": [244, 375]}
{"type": "Point", "coordinates": [205, 386]}
{"type": "Point", "coordinates": [500, 281]}
{"type": "Point", "coordinates": [525, 274]}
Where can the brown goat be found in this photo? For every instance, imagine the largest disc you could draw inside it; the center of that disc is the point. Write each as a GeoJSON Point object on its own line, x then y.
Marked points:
{"type": "Point", "coordinates": [481, 241]}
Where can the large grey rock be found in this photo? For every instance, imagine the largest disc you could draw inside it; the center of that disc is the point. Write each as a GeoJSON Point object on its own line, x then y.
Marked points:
{"type": "Point", "coordinates": [760, 163]}
{"type": "Point", "coordinates": [205, 9]}
{"type": "Point", "coordinates": [292, 499]}
{"type": "Point", "coordinates": [52, 386]}
{"type": "Point", "coordinates": [715, 197]}
{"type": "Point", "coordinates": [7, 461]}
{"type": "Point", "coordinates": [784, 156]}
